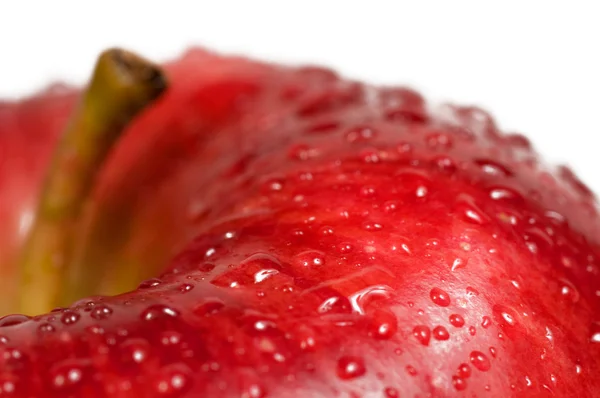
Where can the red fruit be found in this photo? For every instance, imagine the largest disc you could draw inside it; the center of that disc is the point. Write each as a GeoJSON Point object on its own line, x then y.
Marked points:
{"type": "Point", "coordinates": [348, 241]}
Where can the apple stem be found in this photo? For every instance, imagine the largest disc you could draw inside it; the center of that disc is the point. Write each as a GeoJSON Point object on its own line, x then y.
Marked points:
{"type": "Point", "coordinates": [122, 85]}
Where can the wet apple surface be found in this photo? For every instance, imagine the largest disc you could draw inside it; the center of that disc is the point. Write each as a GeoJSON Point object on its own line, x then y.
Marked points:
{"type": "Point", "coordinates": [301, 235]}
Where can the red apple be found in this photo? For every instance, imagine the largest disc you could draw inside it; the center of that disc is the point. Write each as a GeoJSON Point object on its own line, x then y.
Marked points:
{"type": "Point", "coordinates": [331, 239]}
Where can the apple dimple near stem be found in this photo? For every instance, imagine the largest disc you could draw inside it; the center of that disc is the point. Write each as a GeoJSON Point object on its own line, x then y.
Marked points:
{"type": "Point", "coordinates": [122, 85]}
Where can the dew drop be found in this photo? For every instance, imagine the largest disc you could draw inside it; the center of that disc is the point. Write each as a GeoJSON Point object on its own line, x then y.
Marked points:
{"type": "Point", "coordinates": [384, 325]}
{"type": "Point", "coordinates": [472, 330]}
{"type": "Point", "coordinates": [440, 333]}
{"type": "Point", "coordinates": [326, 230]}
{"type": "Point", "coordinates": [360, 134]}
{"type": "Point", "coordinates": [350, 367]}
{"type": "Point", "coordinates": [372, 226]}
{"type": "Point", "coordinates": [101, 312]}
{"type": "Point", "coordinates": [439, 297]}
{"type": "Point", "coordinates": [422, 334]}
{"type": "Point", "coordinates": [158, 311]}
{"type": "Point", "coordinates": [411, 370]}
{"type": "Point", "coordinates": [464, 371]}
{"type": "Point", "coordinates": [255, 390]}
{"type": "Point", "coordinates": [206, 267]}
{"type": "Point", "coordinates": [149, 283]}
{"type": "Point", "coordinates": [13, 320]}
{"type": "Point", "coordinates": [493, 168]}
{"type": "Point", "coordinates": [370, 156]}
{"type": "Point", "coordinates": [264, 274]}
{"type": "Point", "coordinates": [458, 263]}
{"type": "Point", "coordinates": [66, 375]}
{"type": "Point", "coordinates": [504, 316]}
{"type": "Point", "coordinates": [595, 332]}
{"type": "Point", "coordinates": [173, 380]}
{"type": "Point", "coordinates": [569, 292]}
{"type": "Point", "coordinates": [486, 322]}
{"type": "Point", "coordinates": [310, 258]}
{"type": "Point", "coordinates": [335, 304]}
{"type": "Point", "coordinates": [186, 287]}
{"type": "Point", "coordinates": [368, 191]}
{"type": "Point", "coordinates": [457, 320]}
{"type": "Point", "coordinates": [438, 140]}
{"type": "Point", "coordinates": [208, 307]}
{"type": "Point", "coordinates": [46, 328]}
{"type": "Point", "coordinates": [390, 392]}
{"type": "Point", "coordinates": [302, 152]}
{"type": "Point", "coordinates": [345, 247]}
{"type": "Point", "coordinates": [480, 361]}
{"type": "Point", "coordinates": [505, 194]}
{"type": "Point", "coordinates": [493, 352]}
{"type": "Point", "coordinates": [391, 206]}
{"type": "Point", "coordinates": [69, 317]}
{"type": "Point", "coordinates": [459, 383]}
{"type": "Point", "coordinates": [135, 351]}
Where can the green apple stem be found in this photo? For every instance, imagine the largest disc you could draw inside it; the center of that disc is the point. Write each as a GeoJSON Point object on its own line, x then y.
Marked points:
{"type": "Point", "coordinates": [121, 86]}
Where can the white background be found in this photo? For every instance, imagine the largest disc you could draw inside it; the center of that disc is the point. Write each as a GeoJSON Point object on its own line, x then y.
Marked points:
{"type": "Point", "coordinates": [534, 64]}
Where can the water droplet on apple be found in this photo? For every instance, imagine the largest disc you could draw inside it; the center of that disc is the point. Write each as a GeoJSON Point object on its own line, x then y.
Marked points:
{"type": "Point", "coordinates": [458, 263]}
{"type": "Point", "coordinates": [411, 370]}
{"type": "Point", "coordinates": [69, 317]}
{"type": "Point", "coordinates": [360, 300]}
{"type": "Point", "coordinates": [67, 375]}
{"type": "Point", "coordinates": [472, 330]}
{"type": "Point", "coordinates": [302, 152]}
{"type": "Point", "coordinates": [480, 361]}
{"type": "Point", "coordinates": [13, 320]}
{"type": "Point", "coordinates": [46, 328]}
{"type": "Point", "coordinates": [486, 322]}
{"type": "Point", "coordinates": [326, 230]}
{"type": "Point", "coordinates": [149, 283]}
{"type": "Point", "coordinates": [384, 324]}
{"type": "Point", "coordinates": [173, 380]}
{"type": "Point", "coordinates": [360, 134]}
{"type": "Point", "coordinates": [208, 307]}
{"type": "Point", "coordinates": [170, 338]}
{"type": "Point", "coordinates": [206, 267]}
{"type": "Point", "coordinates": [350, 367]}
{"type": "Point", "coordinates": [491, 167]}
{"type": "Point", "coordinates": [372, 226]}
{"type": "Point", "coordinates": [438, 141]}
{"type": "Point", "coordinates": [505, 194]}
{"type": "Point", "coordinates": [185, 287]}
{"type": "Point", "coordinates": [101, 311]}
{"type": "Point", "coordinates": [159, 311]}
{"type": "Point", "coordinates": [335, 304]}
{"type": "Point", "coordinates": [464, 370]}
{"type": "Point", "coordinates": [422, 334]}
{"type": "Point", "coordinates": [310, 258]}
{"type": "Point", "coordinates": [459, 383]}
{"type": "Point", "coordinates": [504, 316]}
{"type": "Point", "coordinates": [440, 333]}
{"type": "Point", "coordinates": [569, 291]}
{"type": "Point", "coordinates": [391, 392]}
{"type": "Point", "coordinates": [456, 320]}
{"type": "Point", "coordinates": [595, 332]}
{"type": "Point", "coordinates": [134, 351]}
{"type": "Point", "coordinates": [439, 297]}
{"type": "Point", "coordinates": [368, 191]}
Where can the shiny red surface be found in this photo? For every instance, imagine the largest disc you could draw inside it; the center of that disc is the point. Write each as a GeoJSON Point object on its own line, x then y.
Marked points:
{"type": "Point", "coordinates": [347, 241]}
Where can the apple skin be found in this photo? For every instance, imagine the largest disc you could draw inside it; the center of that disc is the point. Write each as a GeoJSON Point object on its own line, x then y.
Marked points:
{"type": "Point", "coordinates": [347, 241]}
